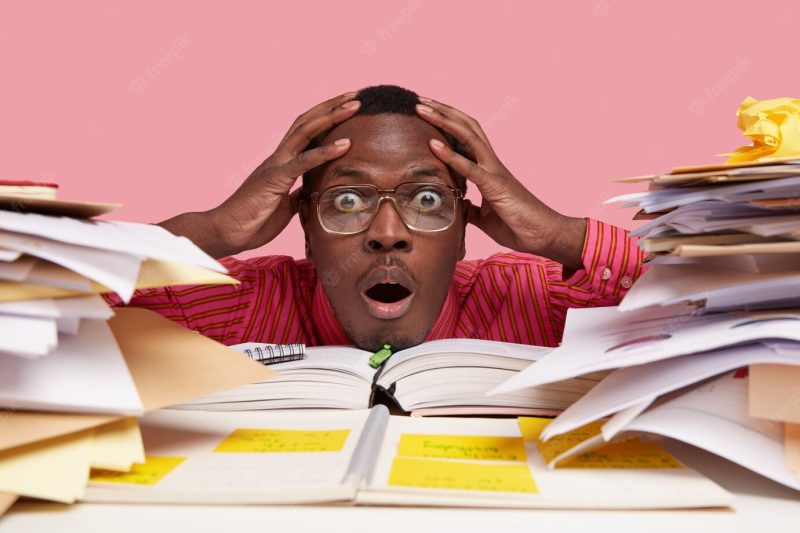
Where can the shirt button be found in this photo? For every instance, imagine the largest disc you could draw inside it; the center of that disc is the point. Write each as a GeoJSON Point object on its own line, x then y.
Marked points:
{"type": "Point", "coordinates": [626, 282]}
{"type": "Point", "coordinates": [606, 273]}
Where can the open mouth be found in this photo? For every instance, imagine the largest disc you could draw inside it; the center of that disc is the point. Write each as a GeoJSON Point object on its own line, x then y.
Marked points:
{"type": "Point", "coordinates": [387, 293]}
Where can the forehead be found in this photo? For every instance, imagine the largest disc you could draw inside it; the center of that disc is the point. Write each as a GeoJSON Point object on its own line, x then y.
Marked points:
{"type": "Point", "coordinates": [385, 150]}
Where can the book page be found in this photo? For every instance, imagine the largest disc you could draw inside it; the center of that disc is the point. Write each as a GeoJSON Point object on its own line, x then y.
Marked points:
{"type": "Point", "coordinates": [249, 457]}
{"type": "Point", "coordinates": [488, 462]}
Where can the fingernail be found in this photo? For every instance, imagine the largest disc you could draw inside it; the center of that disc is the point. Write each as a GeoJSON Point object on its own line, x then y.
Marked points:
{"type": "Point", "coordinates": [351, 94]}
{"type": "Point", "coordinates": [425, 109]}
{"type": "Point", "coordinates": [342, 142]}
{"type": "Point", "coordinates": [425, 99]}
{"type": "Point", "coordinates": [351, 104]}
{"type": "Point", "coordinates": [437, 143]}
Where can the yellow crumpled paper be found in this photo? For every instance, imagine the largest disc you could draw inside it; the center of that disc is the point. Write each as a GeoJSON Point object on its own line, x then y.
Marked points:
{"type": "Point", "coordinates": [772, 125]}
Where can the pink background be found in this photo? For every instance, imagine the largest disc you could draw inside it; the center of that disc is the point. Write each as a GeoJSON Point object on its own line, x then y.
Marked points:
{"type": "Point", "coordinates": [168, 106]}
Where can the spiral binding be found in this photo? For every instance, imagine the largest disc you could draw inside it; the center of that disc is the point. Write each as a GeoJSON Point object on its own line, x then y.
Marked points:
{"type": "Point", "coordinates": [271, 354]}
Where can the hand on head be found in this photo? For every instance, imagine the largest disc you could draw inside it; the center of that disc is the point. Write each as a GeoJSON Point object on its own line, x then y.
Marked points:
{"type": "Point", "coordinates": [262, 206]}
{"type": "Point", "coordinates": [509, 212]}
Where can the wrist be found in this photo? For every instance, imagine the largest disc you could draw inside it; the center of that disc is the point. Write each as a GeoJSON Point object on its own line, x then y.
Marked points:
{"type": "Point", "coordinates": [566, 237]}
{"type": "Point", "coordinates": [222, 230]}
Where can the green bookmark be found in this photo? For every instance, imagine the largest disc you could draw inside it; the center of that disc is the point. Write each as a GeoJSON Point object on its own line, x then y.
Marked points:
{"type": "Point", "coordinates": [380, 357]}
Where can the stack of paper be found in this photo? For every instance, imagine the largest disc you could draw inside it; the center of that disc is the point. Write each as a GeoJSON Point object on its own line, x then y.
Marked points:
{"type": "Point", "coordinates": [72, 374]}
{"type": "Point", "coordinates": [722, 292]}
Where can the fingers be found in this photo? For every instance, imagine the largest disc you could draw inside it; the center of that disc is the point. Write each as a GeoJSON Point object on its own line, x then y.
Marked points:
{"type": "Point", "coordinates": [452, 111]}
{"type": "Point", "coordinates": [317, 121]}
{"type": "Point", "coordinates": [313, 158]}
{"type": "Point", "coordinates": [467, 168]}
{"type": "Point", "coordinates": [327, 105]}
{"type": "Point", "coordinates": [458, 128]}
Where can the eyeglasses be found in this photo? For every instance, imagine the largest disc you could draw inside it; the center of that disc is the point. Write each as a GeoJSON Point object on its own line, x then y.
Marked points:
{"type": "Point", "coordinates": [349, 209]}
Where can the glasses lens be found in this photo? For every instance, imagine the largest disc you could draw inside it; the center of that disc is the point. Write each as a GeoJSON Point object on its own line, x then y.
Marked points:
{"type": "Point", "coordinates": [347, 209]}
{"type": "Point", "coordinates": [426, 206]}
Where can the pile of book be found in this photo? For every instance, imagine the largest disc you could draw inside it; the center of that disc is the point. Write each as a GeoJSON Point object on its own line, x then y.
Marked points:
{"type": "Point", "coordinates": [75, 374]}
{"type": "Point", "coordinates": [721, 294]}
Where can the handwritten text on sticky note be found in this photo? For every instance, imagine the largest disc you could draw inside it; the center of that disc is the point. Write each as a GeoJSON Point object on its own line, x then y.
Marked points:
{"type": "Point", "coordinates": [283, 441]}
{"type": "Point", "coordinates": [632, 453]}
{"type": "Point", "coordinates": [462, 447]}
{"type": "Point", "coordinates": [434, 474]}
{"type": "Point", "coordinates": [148, 473]}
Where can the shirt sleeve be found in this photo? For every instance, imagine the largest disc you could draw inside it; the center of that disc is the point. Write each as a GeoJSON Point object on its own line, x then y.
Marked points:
{"type": "Point", "coordinates": [230, 314]}
{"type": "Point", "coordinates": [612, 262]}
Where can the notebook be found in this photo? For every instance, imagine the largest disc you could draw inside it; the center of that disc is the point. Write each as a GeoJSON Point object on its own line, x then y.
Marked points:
{"type": "Point", "coordinates": [449, 376]}
{"type": "Point", "coordinates": [370, 458]}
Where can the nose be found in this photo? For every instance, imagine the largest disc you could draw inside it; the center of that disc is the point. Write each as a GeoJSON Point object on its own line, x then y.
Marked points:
{"type": "Point", "coordinates": [387, 231]}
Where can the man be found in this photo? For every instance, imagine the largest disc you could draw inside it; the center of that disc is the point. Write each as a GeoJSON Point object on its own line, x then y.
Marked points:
{"type": "Point", "coordinates": [382, 208]}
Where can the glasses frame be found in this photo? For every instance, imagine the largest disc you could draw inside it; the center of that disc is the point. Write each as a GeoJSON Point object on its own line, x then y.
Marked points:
{"type": "Point", "coordinates": [385, 194]}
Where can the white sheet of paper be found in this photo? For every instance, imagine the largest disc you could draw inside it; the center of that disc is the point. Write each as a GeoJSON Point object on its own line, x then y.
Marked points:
{"type": "Point", "coordinates": [9, 255]}
{"type": "Point", "coordinates": [667, 284]}
{"type": "Point", "coordinates": [43, 308]}
{"type": "Point", "coordinates": [86, 373]}
{"type": "Point", "coordinates": [714, 417]}
{"type": "Point", "coordinates": [665, 199]}
{"type": "Point", "coordinates": [143, 240]}
{"type": "Point", "coordinates": [17, 270]}
{"type": "Point", "coordinates": [116, 270]}
{"type": "Point", "coordinates": [628, 387]}
{"type": "Point", "coordinates": [602, 338]}
{"type": "Point", "coordinates": [52, 275]}
{"type": "Point", "coordinates": [26, 336]}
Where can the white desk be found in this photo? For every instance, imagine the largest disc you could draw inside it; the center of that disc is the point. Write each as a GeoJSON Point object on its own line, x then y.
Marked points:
{"type": "Point", "coordinates": [760, 504]}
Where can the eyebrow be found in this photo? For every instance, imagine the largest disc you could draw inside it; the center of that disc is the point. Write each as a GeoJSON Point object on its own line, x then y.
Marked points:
{"type": "Point", "coordinates": [423, 171]}
{"type": "Point", "coordinates": [346, 172]}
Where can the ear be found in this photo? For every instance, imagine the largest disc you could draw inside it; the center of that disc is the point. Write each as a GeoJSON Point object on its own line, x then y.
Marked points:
{"type": "Point", "coordinates": [303, 212]}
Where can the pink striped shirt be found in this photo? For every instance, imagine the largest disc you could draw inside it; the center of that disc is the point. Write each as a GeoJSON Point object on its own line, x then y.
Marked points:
{"type": "Point", "coordinates": [512, 297]}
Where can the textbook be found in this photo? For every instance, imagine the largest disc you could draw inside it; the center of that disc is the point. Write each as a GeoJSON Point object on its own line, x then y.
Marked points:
{"type": "Point", "coordinates": [443, 377]}
{"type": "Point", "coordinates": [368, 457]}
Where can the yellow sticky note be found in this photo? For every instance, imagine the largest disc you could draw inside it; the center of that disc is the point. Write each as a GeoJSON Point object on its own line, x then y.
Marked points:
{"type": "Point", "coordinates": [531, 427]}
{"type": "Point", "coordinates": [150, 472]}
{"type": "Point", "coordinates": [284, 440]}
{"type": "Point", "coordinates": [462, 447]}
{"type": "Point", "coordinates": [632, 453]}
{"type": "Point", "coordinates": [560, 443]}
{"type": "Point", "coordinates": [435, 474]}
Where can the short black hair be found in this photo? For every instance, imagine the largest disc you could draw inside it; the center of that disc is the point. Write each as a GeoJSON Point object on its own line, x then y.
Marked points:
{"type": "Point", "coordinates": [394, 100]}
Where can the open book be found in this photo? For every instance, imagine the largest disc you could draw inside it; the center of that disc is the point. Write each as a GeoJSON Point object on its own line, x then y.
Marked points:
{"type": "Point", "coordinates": [448, 377]}
{"type": "Point", "coordinates": [369, 457]}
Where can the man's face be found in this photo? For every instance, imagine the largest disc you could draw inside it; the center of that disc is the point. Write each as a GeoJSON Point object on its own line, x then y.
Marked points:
{"type": "Point", "coordinates": [360, 273]}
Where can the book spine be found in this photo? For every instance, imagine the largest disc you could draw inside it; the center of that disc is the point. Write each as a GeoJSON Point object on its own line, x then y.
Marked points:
{"type": "Point", "coordinates": [365, 454]}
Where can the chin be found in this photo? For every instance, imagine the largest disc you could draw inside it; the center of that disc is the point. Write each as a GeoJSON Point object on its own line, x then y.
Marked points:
{"type": "Point", "coordinates": [398, 340]}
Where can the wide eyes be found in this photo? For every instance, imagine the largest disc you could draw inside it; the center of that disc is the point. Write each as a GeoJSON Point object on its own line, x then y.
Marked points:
{"type": "Point", "coordinates": [427, 200]}
{"type": "Point", "coordinates": [348, 202]}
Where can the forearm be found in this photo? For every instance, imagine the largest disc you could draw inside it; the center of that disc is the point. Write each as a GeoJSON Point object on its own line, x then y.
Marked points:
{"type": "Point", "coordinates": [200, 228]}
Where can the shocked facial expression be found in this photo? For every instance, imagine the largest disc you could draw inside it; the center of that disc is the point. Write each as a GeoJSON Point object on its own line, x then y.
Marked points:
{"type": "Point", "coordinates": [386, 282]}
